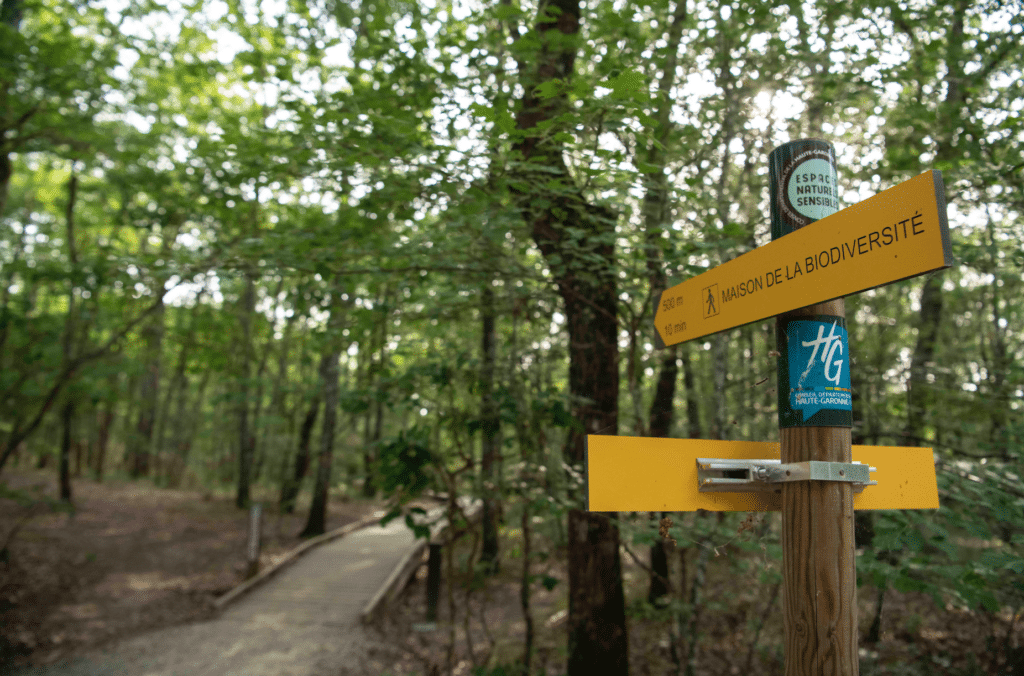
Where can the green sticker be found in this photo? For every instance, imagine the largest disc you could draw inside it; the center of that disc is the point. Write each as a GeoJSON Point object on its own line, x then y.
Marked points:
{"type": "Point", "coordinates": [813, 189]}
{"type": "Point", "coordinates": [804, 185]}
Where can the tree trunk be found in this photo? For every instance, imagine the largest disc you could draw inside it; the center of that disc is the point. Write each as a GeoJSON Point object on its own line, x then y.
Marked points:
{"type": "Point", "coordinates": [573, 235]}
{"type": "Point", "coordinates": [78, 445]}
{"type": "Point", "coordinates": [103, 437]}
{"type": "Point", "coordinates": [490, 438]}
{"type": "Point", "coordinates": [1001, 361]}
{"type": "Point", "coordinates": [656, 217]}
{"type": "Point", "coordinates": [70, 330]}
{"type": "Point", "coordinates": [719, 355]}
{"type": "Point", "coordinates": [693, 426]}
{"type": "Point", "coordinates": [149, 389]}
{"type": "Point", "coordinates": [142, 441]}
{"type": "Point", "coordinates": [924, 355]}
{"type": "Point", "coordinates": [697, 605]}
{"type": "Point", "coordinates": [6, 171]}
{"type": "Point", "coordinates": [10, 16]}
{"type": "Point", "coordinates": [6, 284]}
{"type": "Point", "coordinates": [175, 389]}
{"type": "Point", "coordinates": [524, 590]}
{"type": "Point", "coordinates": [276, 433]}
{"type": "Point", "coordinates": [74, 331]}
{"type": "Point", "coordinates": [375, 413]}
{"type": "Point", "coordinates": [662, 407]}
{"type": "Point", "coordinates": [179, 386]}
{"type": "Point", "coordinates": [259, 445]}
{"type": "Point", "coordinates": [364, 381]}
{"type": "Point", "coordinates": [316, 524]}
{"type": "Point", "coordinates": [660, 426]}
{"type": "Point", "coordinates": [183, 447]}
{"type": "Point", "coordinates": [370, 486]}
{"type": "Point", "coordinates": [246, 440]}
{"type": "Point", "coordinates": [950, 115]}
{"type": "Point", "coordinates": [131, 403]}
{"type": "Point", "coordinates": [290, 489]}
{"type": "Point", "coordinates": [66, 440]}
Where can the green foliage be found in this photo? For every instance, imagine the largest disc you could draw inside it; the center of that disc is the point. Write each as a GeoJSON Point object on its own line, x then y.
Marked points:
{"type": "Point", "coordinates": [404, 463]}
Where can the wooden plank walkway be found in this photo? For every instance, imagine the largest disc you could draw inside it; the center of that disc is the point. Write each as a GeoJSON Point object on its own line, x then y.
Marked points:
{"type": "Point", "coordinates": [304, 621]}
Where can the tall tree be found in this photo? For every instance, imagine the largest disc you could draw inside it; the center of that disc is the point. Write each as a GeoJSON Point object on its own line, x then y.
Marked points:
{"type": "Point", "coordinates": [657, 213]}
{"type": "Point", "coordinates": [70, 330]}
{"type": "Point", "coordinates": [490, 431]}
{"type": "Point", "coordinates": [949, 117]}
{"type": "Point", "coordinates": [246, 438]}
{"type": "Point", "coordinates": [10, 23]}
{"type": "Point", "coordinates": [300, 465]}
{"type": "Point", "coordinates": [152, 333]}
{"type": "Point", "coordinates": [297, 464]}
{"type": "Point", "coordinates": [577, 238]}
{"type": "Point", "coordinates": [317, 521]}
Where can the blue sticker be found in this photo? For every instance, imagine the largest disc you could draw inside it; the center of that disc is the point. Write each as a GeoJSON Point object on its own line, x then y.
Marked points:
{"type": "Point", "coordinates": [819, 366]}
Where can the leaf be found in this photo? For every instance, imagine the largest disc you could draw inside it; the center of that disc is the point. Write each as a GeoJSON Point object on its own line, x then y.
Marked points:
{"type": "Point", "coordinates": [625, 83]}
{"type": "Point", "coordinates": [648, 168]}
{"type": "Point", "coordinates": [418, 530]}
{"type": "Point", "coordinates": [550, 89]}
{"type": "Point", "coordinates": [392, 514]}
{"type": "Point", "coordinates": [503, 12]}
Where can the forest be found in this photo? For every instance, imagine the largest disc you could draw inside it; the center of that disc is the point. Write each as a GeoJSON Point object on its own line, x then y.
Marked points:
{"type": "Point", "coordinates": [377, 249]}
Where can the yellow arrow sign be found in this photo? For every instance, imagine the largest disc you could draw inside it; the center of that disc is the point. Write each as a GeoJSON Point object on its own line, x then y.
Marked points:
{"type": "Point", "coordinates": [896, 234]}
{"type": "Point", "coordinates": [642, 474]}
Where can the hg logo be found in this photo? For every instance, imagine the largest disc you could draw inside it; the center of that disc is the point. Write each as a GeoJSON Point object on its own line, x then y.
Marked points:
{"type": "Point", "coordinates": [827, 345]}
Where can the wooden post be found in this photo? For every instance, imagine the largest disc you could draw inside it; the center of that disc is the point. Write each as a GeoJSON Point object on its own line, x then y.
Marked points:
{"type": "Point", "coordinates": [815, 416]}
{"type": "Point", "coordinates": [433, 580]}
{"type": "Point", "coordinates": [252, 550]}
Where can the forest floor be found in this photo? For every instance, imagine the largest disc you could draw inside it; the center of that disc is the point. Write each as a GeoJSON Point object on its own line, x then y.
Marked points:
{"type": "Point", "coordinates": [739, 629]}
{"type": "Point", "coordinates": [130, 558]}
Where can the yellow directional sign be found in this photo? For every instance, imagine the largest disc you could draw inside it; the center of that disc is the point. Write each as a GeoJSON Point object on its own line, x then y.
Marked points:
{"type": "Point", "coordinates": [643, 474]}
{"type": "Point", "coordinates": [896, 234]}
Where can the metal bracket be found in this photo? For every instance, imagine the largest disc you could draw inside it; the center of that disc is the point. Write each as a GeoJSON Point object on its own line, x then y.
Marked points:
{"type": "Point", "coordinates": [717, 475]}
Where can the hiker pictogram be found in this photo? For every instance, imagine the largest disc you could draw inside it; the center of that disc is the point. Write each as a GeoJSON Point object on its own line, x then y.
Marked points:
{"type": "Point", "coordinates": [710, 306]}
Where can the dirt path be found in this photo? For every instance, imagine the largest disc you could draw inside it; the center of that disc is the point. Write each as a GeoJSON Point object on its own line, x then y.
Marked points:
{"type": "Point", "coordinates": [302, 622]}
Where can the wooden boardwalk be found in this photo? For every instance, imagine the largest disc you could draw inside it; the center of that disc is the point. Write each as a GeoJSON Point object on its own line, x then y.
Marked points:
{"type": "Point", "coordinates": [304, 621]}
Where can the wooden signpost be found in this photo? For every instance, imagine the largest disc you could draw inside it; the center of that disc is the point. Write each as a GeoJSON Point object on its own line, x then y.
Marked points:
{"type": "Point", "coordinates": [800, 278]}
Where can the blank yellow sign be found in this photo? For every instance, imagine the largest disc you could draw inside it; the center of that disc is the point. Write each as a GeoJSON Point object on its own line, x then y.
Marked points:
{"type": "Point", "coordinates": [898, 233]}
{"type": "Point", "coordinates": [641, 474]}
